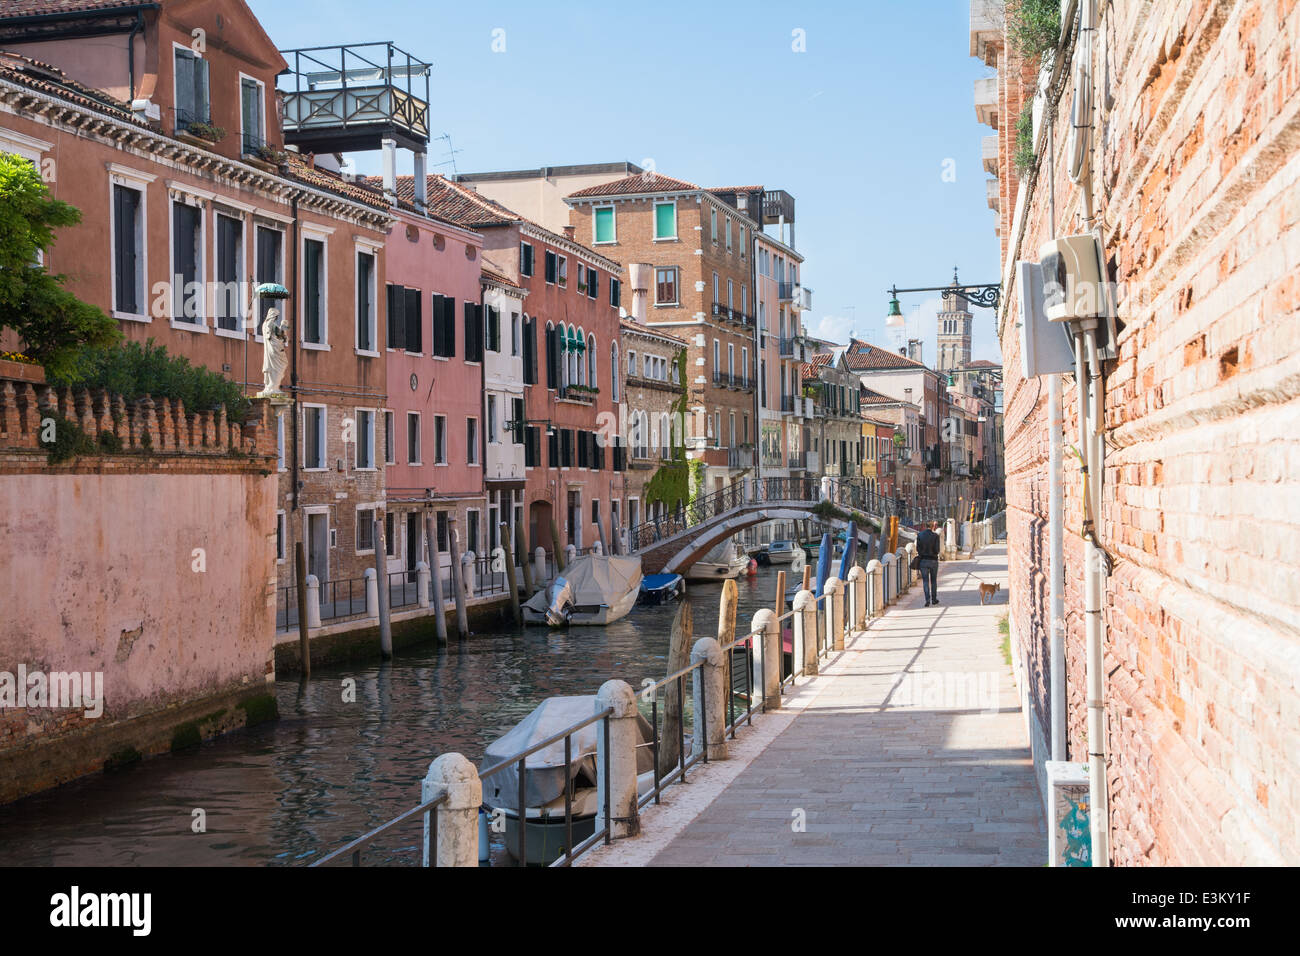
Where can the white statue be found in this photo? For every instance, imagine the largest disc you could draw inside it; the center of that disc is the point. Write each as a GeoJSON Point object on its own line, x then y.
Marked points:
{"type": "Point", "coordinates": [274, 360]}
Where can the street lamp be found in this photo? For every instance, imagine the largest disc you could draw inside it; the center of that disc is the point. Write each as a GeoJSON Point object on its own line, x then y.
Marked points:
{"type": "Point", "coordinates": [987, 296]}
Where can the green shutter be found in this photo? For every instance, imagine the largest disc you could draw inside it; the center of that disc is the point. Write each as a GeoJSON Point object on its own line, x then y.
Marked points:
{"type": "Point", "coordinates": [605, 225]}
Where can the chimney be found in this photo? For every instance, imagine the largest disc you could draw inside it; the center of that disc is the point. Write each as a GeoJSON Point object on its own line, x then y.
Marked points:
{"type": "Point", "coordinates": [569, 231]}
{"type": "Point", "coordinates": [639, 274]}
{"type": "Point", "coordinates": [914, 349]}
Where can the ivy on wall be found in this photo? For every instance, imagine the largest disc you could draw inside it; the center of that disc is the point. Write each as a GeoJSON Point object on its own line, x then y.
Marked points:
{"type": "Point", "coordinates": [677, 481]}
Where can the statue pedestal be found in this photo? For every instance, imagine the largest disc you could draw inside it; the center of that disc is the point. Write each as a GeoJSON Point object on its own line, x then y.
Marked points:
{"type": "Point", "coordinates": [275, 398]}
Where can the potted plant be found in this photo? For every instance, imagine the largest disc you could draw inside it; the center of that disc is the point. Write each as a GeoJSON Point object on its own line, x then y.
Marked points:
{"type": "Point", "coordinates": [205, 131]}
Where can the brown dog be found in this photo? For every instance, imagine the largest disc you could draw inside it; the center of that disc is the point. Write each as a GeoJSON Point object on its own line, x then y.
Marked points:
{"type": "Point", "coordinates": [987, 591]}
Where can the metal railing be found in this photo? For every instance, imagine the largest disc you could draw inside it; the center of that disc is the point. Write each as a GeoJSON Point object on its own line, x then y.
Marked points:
{"type": "Point", "coordinates": [787, 346]}
{"type": "Point", "coordinates": [428, 810]}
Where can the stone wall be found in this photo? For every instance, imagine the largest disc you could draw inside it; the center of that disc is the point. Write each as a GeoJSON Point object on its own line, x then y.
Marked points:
{"type": "Point", "coordinates": [1197, 185]}
{"type": "Point", "coordinates": [152, 565]}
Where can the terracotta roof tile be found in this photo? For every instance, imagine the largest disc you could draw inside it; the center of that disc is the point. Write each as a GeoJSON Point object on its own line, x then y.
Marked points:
{"type": "Point", "coordinates": [296, 167]}
{"type": "Point", "coordinates": [45, 78]}
{"type": "Point", "coordinates": [862, 357]}
{"type": "Point", "coordinates": [36, 8]}
{"type": "Point", "coordinates": [453, 202]}
{"type": "Point", "coordinates": [736, 189]}
{"type": "Point", "coordinates": [872, 397]}
{"type": "Point", "coordinates": [636, 184]}
{"type": "Point", "coordinates": [491, 275]}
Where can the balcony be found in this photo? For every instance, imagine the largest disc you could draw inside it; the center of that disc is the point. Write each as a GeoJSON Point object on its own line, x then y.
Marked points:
{"type": "Point", "coordinates": [740, 383]}
{"type": "Point", "coordinates": [802, 301]}
{"type": "Point", "coordinates": [992, 194]}
{"type": "Point", "coordinates": [787, 347]}
{"type": "Point", "coordinates": [741, 457]}
{"type": "Point", "coordinates": [989, 153]}
{"type": "Point", "coordinates": [577, 393]}
{"type": "Point", "coordinates": [986, 101]}
{"type": "Point", "coordinates": [340, 99]}
{"type": "Point", "coordinates": [785, 291]}
{"type": "Point", "coordinates": [986, 24]}
{"type": "Point", "coordinates": [787, 404]}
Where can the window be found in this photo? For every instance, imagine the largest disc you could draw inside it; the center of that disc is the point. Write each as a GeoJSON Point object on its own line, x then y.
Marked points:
{"type": "Point", "coordinates": [444, 327]}
{"type": "Point", "coordinates": [532, 447]}
{"type": "Point", "coordinates": [390, 537]}
{"type": "Point", "coordinates": [631, 363]}
{"type": "Point", "coordinates": [493, 329]}
{"type": "Point", "coordinates": [728, 233]}
{"type": "Point", "coordinates": [440, 439]}
{"type": "Point", "coordinates": [731, 295]}
{"type": "Point", "coordinates": [187, 263]}
{"type": "Point", "coordinates": [525, 259]}
{"type": "Point", "coordinates": [279, 537]}
{"type": "Point", "coordinates": [250, 115]}
{"type": "Point", "coordinates": [279, 440]}
{"type": "Point", "coordinates": [562, 271]}
{"type": "Point", "coordinates": [365, 530]}
{"type": "Point", "coordinates": [413, 438]}
{"type": "Point", "coordinates": [365, 438]}
{"type": "Point", "coordinates": [471, 530]}
{"type": "Point", "coordinates": [592, 368]}
{"type": "Point", "coordinates": [717, 356]}
{"type": "Point", "coordinates": [406, 319]}
{"type": "Point", "coordinates": [744, 240]}
{"type": "Point", "coordinates": [731, 360]}
{"type": "Point", "coordinates": [473, 317]}
{"type": "Point", "coordinates": [390, 438]}
{"type": "Point", "coordinates": [613, 372]}
{"type": "Point", "coordinates": [268, 267]}
{"type": "Point", "coordinates": [366, 316]}
{"type": "Point", "coordinates": [517, 421]}
{"type": "Point", "coordinates": [744, 365]}
{"type": "Point", "coordinates": [442, 531]}
{"type": "Point", "coordinates": [666, 286]}
{"type": "Point", "coordinates": [516, 334]}
{"type": "Point", "coordinates": [530, 351]}
{"type": "Point", "coordinates": [313, 433]}
{"type": "Point", "coordinates": [471, 440]}
{"type": "Point", "coordinates": [314, 319]}
{"type": "Point", "coordinates": [192, 103]}
{"type": "Point", "coordinates": [552, 356]}
{"type": "Point", "coordinates": [615, 293]}
{"type": "Point", "coordinates": [593, 283]}
{"type": "Point", "coordinates": [665, 220]}
{"type": "Point", "coordinates": [717, 299]}
{"type": "Point", "coordinates": [551, 270]}
{"type": "Point", "coordinates": [604, 226]}
{"type": "Point", "coordinates": [128, 250]}
{"type": "Point", "coordinates": [492, 419]}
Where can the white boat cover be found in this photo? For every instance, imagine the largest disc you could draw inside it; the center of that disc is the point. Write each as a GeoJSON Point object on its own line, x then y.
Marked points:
{"type": "Point", "coordinates": [596, 579]}
{"type": "Point", "coordinates": [544, 770]}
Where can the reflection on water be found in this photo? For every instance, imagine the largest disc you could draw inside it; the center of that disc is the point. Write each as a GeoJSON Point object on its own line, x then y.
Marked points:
{"type": "Point", "coordinates": [327, 771]}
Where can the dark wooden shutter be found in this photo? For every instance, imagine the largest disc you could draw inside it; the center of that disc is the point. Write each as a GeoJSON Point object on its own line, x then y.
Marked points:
{"type": "Point", "coordinates": [553, 448]}
{"type": "Point", "coordinates": [365, 269]}
{"type": "Point", "coordinates": [414, 320]}
{"type": "Point", "coordinates": [312, 271]}
{"type": "Point", "coordinates": [529, 353]}
{"type": "Point", "coordinates": [550, 266]}
{"type": "Point", "coordinates": [551, 364]}
{"type": "Point", "coordinates": [126, 206]}
{"type": "Point", "coordinates": [593, 283]}
{"type": "Point", "coordinates": [396, 316]}
{"type": "Point", "coordinates": [201, 105]}
{"type": "Point", "coordinates": [185, 86]}
{"type": "Point", "coordinates": [517, 416]}
{"type": "Point", "coordinates": [478, 332]}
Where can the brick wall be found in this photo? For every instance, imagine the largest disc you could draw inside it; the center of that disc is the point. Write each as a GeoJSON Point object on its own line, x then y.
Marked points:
{"type": "Point", "coordinates": [1197, 183]}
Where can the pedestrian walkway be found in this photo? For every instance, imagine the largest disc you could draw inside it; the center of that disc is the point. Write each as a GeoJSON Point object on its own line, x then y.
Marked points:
{"type": "Point", "coordinates": [910, 749]}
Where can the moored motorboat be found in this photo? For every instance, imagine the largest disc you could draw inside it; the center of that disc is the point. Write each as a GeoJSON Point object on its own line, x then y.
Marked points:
{"type": "Point", "coordinates": [661, 588]}
{"type": "Point", "coordinates": [596, 589]}
{"type": "Point", "coordinates": [726, 560]}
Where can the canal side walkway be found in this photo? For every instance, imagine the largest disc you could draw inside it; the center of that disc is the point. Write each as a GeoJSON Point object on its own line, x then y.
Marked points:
{"type": "Point", "coordinates": [908, 749]}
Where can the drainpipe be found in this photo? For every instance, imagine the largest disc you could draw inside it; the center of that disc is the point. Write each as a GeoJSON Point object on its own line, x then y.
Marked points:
{"type": "Point", "coordinates": [293, 350]}
{"type": "Point", "coordinates": [1056, 551]}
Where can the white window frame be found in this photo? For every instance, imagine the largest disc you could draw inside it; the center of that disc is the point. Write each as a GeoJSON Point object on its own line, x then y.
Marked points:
{"type": "Point", "coordinates": [241, 273]}
{"type": "Point", "coordinates": [117, 176]}
{"type": "Point", "coordinates": [322, 236]}
{"type": "Point", "coordinates": [373, 507]}
{"type": "Point", "coordinates": [356, 449]}
{"type": "Point", "coordinates": [613, 218]}
{"type": "Point", "coordinates": [279, 268]}
{"type": "Point", "coordinates": [654, 226]}
{"type": "Point", "coordinates": [471, 447]}
{"type": "Point", "coordinates": [370, 249]}
{"type": "Point", "coordinates": [491, 419]}
{"type": "Point", "coordinates": [324, 437]}
{"type": "Point", "coordinates": [390, 437]}
{"type": "Point", "coordinates": [201, 262]}
{"type": "Point", "coordinates": [440, 459]}
{"type": "Point", "coordinates": [261, 133]}
{"type": "Point", "coordinates": [187, 48]}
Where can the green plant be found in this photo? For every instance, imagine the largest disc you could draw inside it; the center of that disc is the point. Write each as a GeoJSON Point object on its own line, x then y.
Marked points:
{"type": "Point", "coordinates": [208, 131]}
{"type": "Point", "coordinates": [52, 323]}
{"type": "Point", "coordinates": [136, 370]}
{"type": "Point", "coordinates": [1033, 26]}
{"type": "Point", "coordinates": [67, 439]}
{"type": "Point", "coordinates": [110, 443]}
{"type": "Point", "coordinates": [1024, 154]}
{"type": "Point", "coordinates": [677, 481]}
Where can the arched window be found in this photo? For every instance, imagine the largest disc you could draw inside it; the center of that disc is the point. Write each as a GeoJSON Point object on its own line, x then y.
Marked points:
{"type": "Point", "coordinates": [613, 372]}
{"type": "Point", "coordinates": [592, 367]}
{"type": "Point", "coordinates": [665, 436]}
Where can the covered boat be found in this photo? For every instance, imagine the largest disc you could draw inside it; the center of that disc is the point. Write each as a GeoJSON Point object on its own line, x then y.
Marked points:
{"type": "Point", "coordinates": [544, 776]}
{"type": "Point", "coordinates": [724, 560]}
{"type": "Point", "coordinates": [594, 589]}
{"type": "Point", "coordinates": [660, 588]}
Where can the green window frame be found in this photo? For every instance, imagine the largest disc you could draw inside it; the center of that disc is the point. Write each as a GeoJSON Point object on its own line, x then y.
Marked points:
{"type": "Point", "coordinates": [604, 231]}
{"type": "Point", "coordinates": [665, 220]}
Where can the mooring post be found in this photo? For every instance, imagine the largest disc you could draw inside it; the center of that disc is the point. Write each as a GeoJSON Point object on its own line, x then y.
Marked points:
{"type": "Point", "coordinates": [710, 698]}
{"type": "Point", "coordinates": [902, 570]}
{"type": "Point", "coordinates": [435, 566]}
{"type": "Point", "coordinates": [372, 593]}
{"type": "Point", "coordinates": [539, 558]}
{"type": "Point", "coordinates": [524, 562]}
{"type": "Point", "coordinates": [835, 619]}
{"type": "Point", "coordinates": [422, 584]}
{"type": "Point", "coordinates": [875, 587]}
{"type": "Point", "coordinates": [727, 605]}
{"type": "Point", "coordinates": [452, 776]}
{"type": "Point", "coordinates": [857, 598]}
{"type": "Point", "coordinates": [457, 587]}
{"type": "Point", "coordinates": [511, 584]}
{"type": "Point", "coordinates": [313, 602]}
{"type": "Point", "coordinates": [300, 572]}
{"type": "Point", "coordinates": [616, 760]}
{"type": "Point", "coordinates": [769, 676]}
{"type": "Point", "coordinates": [555, 546]}
{"type": "Point", "coordinates": [887, 575]}
{"type": "Point", "coordinates": [385, 620]}
{"type": "Point", "coordinates": [780, 594]}
{"type": "Point", "coordinates": [805, 630]}
{"type": "Point", "coordinates": [679, 655]}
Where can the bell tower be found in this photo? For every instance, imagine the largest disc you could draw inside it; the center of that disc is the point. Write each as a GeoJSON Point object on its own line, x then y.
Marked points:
{"type": "Point", "coordinates": [954, 331]}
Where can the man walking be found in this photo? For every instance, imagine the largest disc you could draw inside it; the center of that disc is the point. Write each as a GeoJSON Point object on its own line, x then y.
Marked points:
{"type": "Point", "coordinates": [927, 549]}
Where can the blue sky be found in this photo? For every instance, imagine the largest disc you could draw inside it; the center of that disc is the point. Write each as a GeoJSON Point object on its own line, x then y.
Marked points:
{"type": "Point", "coordinates": [858, 127]}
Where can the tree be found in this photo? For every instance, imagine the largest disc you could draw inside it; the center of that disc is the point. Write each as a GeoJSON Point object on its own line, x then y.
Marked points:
{"type": "Point", "coordinates": [54, 325]}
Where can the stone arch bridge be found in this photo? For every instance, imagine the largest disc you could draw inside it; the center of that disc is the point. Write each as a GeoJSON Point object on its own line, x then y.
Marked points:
{"type": "Point", "coordinates": [674, 542]}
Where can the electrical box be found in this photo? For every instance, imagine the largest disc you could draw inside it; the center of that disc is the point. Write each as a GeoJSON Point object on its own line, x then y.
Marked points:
{"type": "Point", "coordinates": [1072, 286]}
{"type": "Point", "coordinates": [1069, 822]}
{"type": "Point", "coordinates": [1044, 346]}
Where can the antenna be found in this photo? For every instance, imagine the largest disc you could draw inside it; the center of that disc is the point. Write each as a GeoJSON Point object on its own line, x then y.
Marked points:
{"type": "Point", "coordinates": [451, 152]}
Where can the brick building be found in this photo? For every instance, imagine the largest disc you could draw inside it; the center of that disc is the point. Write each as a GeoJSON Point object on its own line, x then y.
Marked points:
{"type": "Point", "coordinates": [179, 221]}
{"type": "Point", "coordinates": [699, 248]}
{"type": "Point", "coordinates": [652, 369]}
{"type": "Point", "coordinates": [1194, 192]}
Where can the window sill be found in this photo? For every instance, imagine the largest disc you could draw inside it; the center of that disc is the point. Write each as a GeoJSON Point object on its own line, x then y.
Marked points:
{"type": "Point", "coordinates": [371, 468]}
{"type": "Point", "coordinates": [366, 353]}
{"type": "Point", "coordinates": [199, 326]}
{"type": "Point", "coordinates": [321, 468]}
{"type": "Point", "coordinates": [315, 347]}
{"type": "Point", "coordinates": [131, 317]}
{"type": "Point", "coordinates": [230, 333]}
{"type": "Point", "coordinates": [666, 239]}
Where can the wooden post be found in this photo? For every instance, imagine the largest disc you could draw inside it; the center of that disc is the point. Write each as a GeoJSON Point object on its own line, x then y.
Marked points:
{"type": "Point", "coordinates": [440, 620]}
{"type": "Point", "coordinates": [727, 605]}
{"type": "Point", "coordinates": [457, 585]}
{"type": "Point", "coordinates": [679, 655]}
{"type": "Point", "coordinates": [304, 646]}
{"type": "Point", "coordinates": [528, 560]}
{"type": "Point", "coordinates": [511, 584]}
{"type": "Point", "coordinates": [600, 532]}
{"type": "Point", "coordinates": [807, 578]}
{"type": "Point", "coordinates": [780, 593]}
{"type": "Point", "coordinates": [381, 576]}
{"type": "Point", "coordinates": [555, 543]}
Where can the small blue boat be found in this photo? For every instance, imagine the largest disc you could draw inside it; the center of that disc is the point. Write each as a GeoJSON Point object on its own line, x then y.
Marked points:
{"type": "Point", "coordinates": [659, 588]}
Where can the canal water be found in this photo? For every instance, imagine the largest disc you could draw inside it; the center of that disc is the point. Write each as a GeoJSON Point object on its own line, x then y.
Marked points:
{"type": "Point", "coordinates": [285, 793]}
